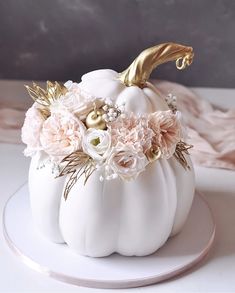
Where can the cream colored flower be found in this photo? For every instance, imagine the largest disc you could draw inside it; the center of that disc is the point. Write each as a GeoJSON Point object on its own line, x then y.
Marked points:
{"type": "Point", "coordinates": [125, 161]}
{"type": "Point", "coordinates": [31, 130]}
{"type": "Point", "coordinates": [132, 129]}
{"type": "Point", "coordinates": [76, 101]}
{"type": "Point", "coordinates": [61, 135]}
{"type": "Point", "coordinates": [97, 143]}
{"type": "Point", "coordinates": [167, 131]}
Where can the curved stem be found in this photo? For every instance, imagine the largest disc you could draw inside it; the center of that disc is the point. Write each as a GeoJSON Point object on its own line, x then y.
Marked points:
{"type": "Point", "coordinates": [140, 69]}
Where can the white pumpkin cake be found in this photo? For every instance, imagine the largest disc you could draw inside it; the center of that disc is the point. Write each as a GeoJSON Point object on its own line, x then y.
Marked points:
{"type": "Point", "coordinates": [110, 169]}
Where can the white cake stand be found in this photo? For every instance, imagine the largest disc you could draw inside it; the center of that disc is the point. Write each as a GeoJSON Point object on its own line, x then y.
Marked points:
{"type": "Point", "coordinates": [180, 253]}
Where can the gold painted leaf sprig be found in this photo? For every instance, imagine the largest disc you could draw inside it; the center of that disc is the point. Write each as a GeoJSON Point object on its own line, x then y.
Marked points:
{"type": "Point", "coordinates": [45, 98]}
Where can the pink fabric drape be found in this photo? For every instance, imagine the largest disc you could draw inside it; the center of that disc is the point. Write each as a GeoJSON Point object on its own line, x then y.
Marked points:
{"type": "Point", "coordinates": [11, 121]}
{"type": "Point", "coordinates": [211, 130]}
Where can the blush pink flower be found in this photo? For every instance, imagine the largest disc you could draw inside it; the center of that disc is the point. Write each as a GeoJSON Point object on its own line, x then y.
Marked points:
{"type": "Point", "coordinates": [167, 131]}
{"type": "Point", "coordinates": [61, 135]}
{"type": "Point", "coordinates": [31, 130]}
{"type": "Point", "coordinates": [126, 162]}
{"type": "Point", "coordinates": [132, 130]}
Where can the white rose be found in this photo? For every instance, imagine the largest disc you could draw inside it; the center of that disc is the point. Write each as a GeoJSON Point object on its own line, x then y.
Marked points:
{"type": "Point", "coordinates": [97, 143]}
{"type": "Point", "coordinates": [126, 162]}
{"type": "Point", "coordinates": [76, 101]}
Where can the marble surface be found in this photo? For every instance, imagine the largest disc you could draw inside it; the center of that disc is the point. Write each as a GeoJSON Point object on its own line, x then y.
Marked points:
{"type": "Point", "coordinates": [64, 39]}
{"type": "Point", "coordinates": [216, 273]}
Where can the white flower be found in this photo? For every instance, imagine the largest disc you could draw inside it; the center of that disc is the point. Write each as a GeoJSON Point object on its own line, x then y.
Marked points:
{"type": "Point", "coordinates": [125, 161]}
{"type": "Point", "coordinates": [97, 143]}
{"type": "Point", "coordinates": [76, 101]}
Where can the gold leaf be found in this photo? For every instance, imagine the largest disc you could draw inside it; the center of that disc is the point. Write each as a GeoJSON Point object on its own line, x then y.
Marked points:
{"type": "Point", "coordinates": [77, 164]}
{"type": "Point", "coordinates": [38, 95]}
{"type": "Point", "coordinates": [72, 161]}
{"type": "Point", "coordinates": [55, 90]}
{"type": "Point", "coordinates": [46, 97]}
{"type": "Point", "coordinates": [45, 113]}
{"type": "Point", "coordinates": [70, 183]}
{"type": "Point", "coordinates": [181, 149]}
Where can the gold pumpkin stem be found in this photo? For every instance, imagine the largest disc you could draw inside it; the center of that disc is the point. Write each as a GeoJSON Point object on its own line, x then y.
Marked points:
{"type": "Point", "coordinates": [140, 69]}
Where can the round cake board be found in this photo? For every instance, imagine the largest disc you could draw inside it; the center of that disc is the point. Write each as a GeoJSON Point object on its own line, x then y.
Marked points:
{"type": "Point", "coordinates": [180, 252]}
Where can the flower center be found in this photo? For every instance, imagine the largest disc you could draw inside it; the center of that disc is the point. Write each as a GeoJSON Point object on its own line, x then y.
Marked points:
{"type": "Point", "coordinates": [95, 141]}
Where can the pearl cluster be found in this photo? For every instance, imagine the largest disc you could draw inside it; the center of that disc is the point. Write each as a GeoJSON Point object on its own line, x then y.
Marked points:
{"type": "Point", "coordinates": [111, 112]}
{"type": "Point", "coordinates": [171, 101]}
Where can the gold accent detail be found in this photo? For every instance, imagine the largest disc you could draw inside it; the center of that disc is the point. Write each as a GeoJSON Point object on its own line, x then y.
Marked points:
{"type": "Point", "coordinates": [95, 119]}
{"type": "Point", "coordinates": [181, 149]}
{"type": "Point", "coordinates": [44, 112]}
{"type": "Point", "coordinates": [140, 69]}
{"type": "Point", "coordinates": [46, 97]}
{"type": "Point", "coordinates": [95, 141]}
{"type": "Point", "coordinates": [153, 155]}
{"type": "Point", "coordinates": [77, 164]}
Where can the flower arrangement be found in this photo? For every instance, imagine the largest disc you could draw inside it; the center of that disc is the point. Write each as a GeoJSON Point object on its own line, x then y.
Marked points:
{"type": "Point", "coordinates": [80, 133]}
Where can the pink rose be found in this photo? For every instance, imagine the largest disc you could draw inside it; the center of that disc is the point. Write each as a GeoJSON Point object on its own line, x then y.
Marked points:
{"type": "Point", "coordinates": [31, 130]}
{"type": "Point", "coordinates": [167, 131]}
{"type": "Point", "coordinates": [61, 135]}
{"type": "Point", "coordinates": [126, 162]}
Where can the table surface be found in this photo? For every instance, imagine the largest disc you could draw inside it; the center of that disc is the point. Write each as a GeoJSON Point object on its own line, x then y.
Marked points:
{"type": "Point", "coordinates": [215, 273]}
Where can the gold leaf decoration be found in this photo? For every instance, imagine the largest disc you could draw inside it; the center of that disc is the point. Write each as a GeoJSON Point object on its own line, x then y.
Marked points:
{"type": "Point", "coordinates": [77, 164]}
{"type": "Point", "coordinates": [46, 97]}
{"type": "Point", "coordinates": [181, 149]}
{"type": "Point", "coordinates": [44, 112]}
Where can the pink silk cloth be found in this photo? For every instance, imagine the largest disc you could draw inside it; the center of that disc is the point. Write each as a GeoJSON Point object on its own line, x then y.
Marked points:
{"type": "Point", "coordinates": [211, 130]}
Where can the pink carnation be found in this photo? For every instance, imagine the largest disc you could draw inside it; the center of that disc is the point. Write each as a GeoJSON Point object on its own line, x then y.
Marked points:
{"type": "Point", "coordinates": [31, 130]}
{"type": "Point", "coordinates": [61, 135]}
{"type": "Point", "coordinates": [167, 131]}
{"type": "Point", "coordinates": [132, 130]}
